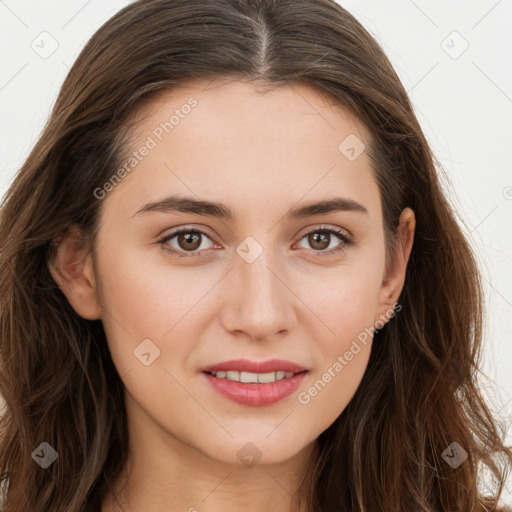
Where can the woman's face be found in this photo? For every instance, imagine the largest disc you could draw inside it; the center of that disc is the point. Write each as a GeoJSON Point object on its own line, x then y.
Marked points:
{"type": "Point", "coordinates": [267, 283]}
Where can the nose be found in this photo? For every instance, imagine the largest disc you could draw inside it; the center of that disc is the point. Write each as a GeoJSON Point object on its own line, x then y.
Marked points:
{"type": "Point", "coordinates": [258, 300]}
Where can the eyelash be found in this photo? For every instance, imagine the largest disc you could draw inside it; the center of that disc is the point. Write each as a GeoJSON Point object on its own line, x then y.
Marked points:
{"type": "Point", "coordinates": [316, 253]}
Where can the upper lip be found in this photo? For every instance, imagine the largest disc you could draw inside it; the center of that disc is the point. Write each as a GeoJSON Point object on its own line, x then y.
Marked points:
{"type": "Point", "coordinates": [245, 365]}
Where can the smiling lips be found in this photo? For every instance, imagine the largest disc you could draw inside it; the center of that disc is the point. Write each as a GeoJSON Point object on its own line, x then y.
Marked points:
{"type": "Point", "coordinates": [255, 383]}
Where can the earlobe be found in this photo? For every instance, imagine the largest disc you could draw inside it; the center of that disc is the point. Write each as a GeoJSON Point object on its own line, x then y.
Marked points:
{"type": "Point", "coordinates": [72, 269]}
{"type": "Point", "coordinates": [394, 274]}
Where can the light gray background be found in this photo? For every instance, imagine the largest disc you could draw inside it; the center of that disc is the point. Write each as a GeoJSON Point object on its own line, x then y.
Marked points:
{"type": "Point", "coordinates": [454, 58]}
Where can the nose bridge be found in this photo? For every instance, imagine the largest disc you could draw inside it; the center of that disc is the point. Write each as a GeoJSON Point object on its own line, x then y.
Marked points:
{"type": "Point", "coordinates": [261, 303]}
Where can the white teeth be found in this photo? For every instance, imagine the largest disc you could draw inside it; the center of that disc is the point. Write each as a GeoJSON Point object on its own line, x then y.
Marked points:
{"type": "Point", "coordinates": [248, 377]}
{"type": "Point", "coordinates": [262, 378]}
{"type": "Point", "coordinates": [233, 375]}
{"type": "Point", "coordinates": [267, 377]}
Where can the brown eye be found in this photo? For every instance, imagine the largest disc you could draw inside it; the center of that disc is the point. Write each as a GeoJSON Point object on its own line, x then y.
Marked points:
{"type": "Point", "coordinates": [319, 241]}
{"type": "Point", "coordinates": [187, 241]}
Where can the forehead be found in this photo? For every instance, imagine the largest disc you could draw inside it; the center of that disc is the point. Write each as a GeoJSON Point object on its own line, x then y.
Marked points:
{"type": "Point", "coordinates": [235, 139]}
{"type": "Point", "coordinates": [238, 101]}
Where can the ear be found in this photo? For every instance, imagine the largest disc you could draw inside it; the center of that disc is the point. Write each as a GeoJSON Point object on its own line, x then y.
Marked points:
{"type": "Point", "coordinates": [394, 273]}
{"type": "Point", "coordinates": [72, 268]}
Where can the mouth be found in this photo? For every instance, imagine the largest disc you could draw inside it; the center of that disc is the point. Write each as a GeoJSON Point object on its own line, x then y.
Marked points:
{"type": "Point", "coordinates": [255, 383]}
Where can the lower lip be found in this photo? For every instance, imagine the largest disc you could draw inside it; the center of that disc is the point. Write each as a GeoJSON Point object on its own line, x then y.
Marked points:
{"type": "Point", "coordinates": [255, 394]}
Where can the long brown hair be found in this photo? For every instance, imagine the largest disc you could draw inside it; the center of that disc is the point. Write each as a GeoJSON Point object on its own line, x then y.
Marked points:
{"type": "Point", "coordinates": [419, 393]}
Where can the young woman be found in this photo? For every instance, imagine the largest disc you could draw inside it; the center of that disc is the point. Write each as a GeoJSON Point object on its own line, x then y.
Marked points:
{"type": "Point", "coordinates": [230, 280]}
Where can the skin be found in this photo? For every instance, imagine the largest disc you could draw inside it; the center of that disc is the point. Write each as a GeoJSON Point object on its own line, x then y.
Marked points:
{"type": "Point", "coordinates": [260, 154]}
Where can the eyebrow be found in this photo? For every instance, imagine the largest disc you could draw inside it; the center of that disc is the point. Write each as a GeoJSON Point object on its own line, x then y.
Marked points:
{"type": "Point", "coordinates": [177, 203]}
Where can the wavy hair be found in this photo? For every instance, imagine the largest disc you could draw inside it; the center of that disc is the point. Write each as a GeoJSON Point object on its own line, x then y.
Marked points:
{"type": "Point", "coordinates": [420, 391]}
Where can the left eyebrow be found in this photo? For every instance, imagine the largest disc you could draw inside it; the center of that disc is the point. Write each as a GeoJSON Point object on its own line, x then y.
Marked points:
{"type": "Point", "coordinates": [220, 210]}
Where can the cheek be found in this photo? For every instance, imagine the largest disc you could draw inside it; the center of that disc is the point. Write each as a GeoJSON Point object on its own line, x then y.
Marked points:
{"type": "Point", "coordinates": [143, 298]}
{"type": "Point", "coordinates": [345, 298]}
{"type": "Point", "coordinates": [129, 297]}
{"type": "Point", "coordinates": [346, 306]}
{"type": "Point", "coordinates": [341, 358]}
{"type": "Point", "coordinates": [330, 388]}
